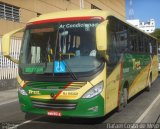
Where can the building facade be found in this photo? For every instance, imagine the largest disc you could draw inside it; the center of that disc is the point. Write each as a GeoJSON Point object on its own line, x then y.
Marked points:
{"type": "Point", "coordinates": [147, 27]}
{"type": "Point", "coordinates": [16, 13]}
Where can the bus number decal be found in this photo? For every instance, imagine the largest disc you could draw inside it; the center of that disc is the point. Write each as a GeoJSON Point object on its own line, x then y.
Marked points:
{"type": "Point", "coordinates": [70, 93]}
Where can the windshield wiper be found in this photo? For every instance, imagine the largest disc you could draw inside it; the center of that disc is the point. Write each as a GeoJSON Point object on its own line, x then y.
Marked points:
{"type": "Point", "coordinates": [54, 58]}
{"type": "Point", "coordinates": [69, 69]}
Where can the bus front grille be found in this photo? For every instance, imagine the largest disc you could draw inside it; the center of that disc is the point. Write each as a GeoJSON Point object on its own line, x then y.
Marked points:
{"type": "Point", "coordinates": [56, 85]}
{"type": "Point", "coordinates": [54, 105]}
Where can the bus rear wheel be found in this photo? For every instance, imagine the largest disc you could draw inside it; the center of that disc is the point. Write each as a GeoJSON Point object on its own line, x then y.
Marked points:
{"type": "Point", "coordinates": [148, 88]}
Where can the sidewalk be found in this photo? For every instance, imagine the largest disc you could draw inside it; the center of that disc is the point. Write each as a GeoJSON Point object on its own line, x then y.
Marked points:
{"type": "Point", "coordinates": [8, 96]}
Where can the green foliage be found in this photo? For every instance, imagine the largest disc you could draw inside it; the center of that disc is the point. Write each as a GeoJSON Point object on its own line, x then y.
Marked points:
{"type": "Point", "coordinates": [156, 34]}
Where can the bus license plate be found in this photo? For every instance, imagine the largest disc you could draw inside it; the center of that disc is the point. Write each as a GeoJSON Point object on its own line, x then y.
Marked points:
{"type": "Point", "coordinates": [54, 113]}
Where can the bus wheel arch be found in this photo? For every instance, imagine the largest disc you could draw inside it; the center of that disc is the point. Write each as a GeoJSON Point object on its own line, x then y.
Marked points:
{"type": "Point", "coordinates": [125, 93]}
{"type": "Point", "coordinates": [123, 98]}
{"type": "Point", "coordinates": [126, 84]}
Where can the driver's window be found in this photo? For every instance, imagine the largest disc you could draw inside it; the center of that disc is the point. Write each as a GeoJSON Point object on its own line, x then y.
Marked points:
{"type": "Point", "coordinates": [112, 43]}
{"type": "Point", "coordinates": [35, 52]}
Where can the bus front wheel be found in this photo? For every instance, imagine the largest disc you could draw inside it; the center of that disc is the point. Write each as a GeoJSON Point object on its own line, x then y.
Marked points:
{"type": "Point", "coordinates": [29, 116]}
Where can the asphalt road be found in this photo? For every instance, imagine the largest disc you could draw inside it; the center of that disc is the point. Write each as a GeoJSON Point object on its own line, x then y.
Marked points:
{"type": "Point", "coordinates": [144, 109]}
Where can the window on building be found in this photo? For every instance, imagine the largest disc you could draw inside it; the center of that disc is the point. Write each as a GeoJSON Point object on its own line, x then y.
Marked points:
{"type": "Point", "coordinates": [94, 7]}
{"type": "Point", "coordinates": [9, 12]}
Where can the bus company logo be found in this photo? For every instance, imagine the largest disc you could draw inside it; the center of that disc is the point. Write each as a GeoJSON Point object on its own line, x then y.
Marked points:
{"type": "Point", "coordinates": [52, 95]}
{"type": "Point", "coordinates": [136, 64]}
{"type": "Point", "coordinates": [33, 92]}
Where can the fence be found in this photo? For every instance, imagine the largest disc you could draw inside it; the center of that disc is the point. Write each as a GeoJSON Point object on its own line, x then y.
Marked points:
{"type": "Point", "coordinates": [8, 69]}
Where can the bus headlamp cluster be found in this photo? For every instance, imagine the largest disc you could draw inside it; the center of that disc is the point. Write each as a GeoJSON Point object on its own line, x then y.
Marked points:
{"type": "Point", "coordinates": [97, 89]}
{"type": "Point", "coordinates": [22, 91]}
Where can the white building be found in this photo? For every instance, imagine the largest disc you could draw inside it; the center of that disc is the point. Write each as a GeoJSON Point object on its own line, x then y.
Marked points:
{"type": "Point", "coordinates": [147, 27]}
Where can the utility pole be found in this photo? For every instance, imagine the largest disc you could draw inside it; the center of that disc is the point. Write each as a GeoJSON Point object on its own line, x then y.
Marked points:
{"type": "Point", "coordinates": [131, 11]}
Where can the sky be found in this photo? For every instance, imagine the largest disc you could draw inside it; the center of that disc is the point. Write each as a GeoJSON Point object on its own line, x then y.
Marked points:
{"type": "Point", "coordinates": [145, 10]}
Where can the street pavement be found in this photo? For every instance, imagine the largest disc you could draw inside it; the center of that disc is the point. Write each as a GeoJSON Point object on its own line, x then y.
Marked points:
{"type": "Point", "coordinates": [8, 96]}
{"type": "Point", "coordinates": [144, 109]}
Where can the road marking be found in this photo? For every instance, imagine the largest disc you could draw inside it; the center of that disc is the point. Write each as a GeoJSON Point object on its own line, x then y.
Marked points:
{"type": "Point", "coordinates": [25, 122]}
{"type": "Point", "coordinates": [7, 102]}
{"type": "Point", "coordinates": [146, 111]}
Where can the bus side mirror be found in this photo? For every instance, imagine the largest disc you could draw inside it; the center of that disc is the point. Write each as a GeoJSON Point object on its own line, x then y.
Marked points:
{"type": "Point", "coordinates": [6, 39]}
{"type": "Point", "coordinates": [101, 36]}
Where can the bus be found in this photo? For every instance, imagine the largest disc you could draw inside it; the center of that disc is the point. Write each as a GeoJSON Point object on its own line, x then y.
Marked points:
{"type": "Point", "coordinates": [158, 59]}
{"type": "Point", "coordinates": [81, 63]}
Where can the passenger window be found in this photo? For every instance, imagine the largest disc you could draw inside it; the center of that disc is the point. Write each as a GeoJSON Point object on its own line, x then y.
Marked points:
{"type": "Point", "coordinates": [117, 40]}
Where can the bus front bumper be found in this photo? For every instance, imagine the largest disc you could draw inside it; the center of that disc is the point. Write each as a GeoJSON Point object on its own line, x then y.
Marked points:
{"type": "Point", "coordinates": [88, 108]}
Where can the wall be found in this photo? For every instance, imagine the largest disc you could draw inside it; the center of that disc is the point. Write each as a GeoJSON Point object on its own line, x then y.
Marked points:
{"type": "Point", "coordinates": [30, 8]}
{"type": "Point", "coordinates": [8, 84]}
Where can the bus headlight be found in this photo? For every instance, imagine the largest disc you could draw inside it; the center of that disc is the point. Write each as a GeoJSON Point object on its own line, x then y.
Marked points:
{"type": "Point", "coordinates": [22, 91]}
{"type": "Point", "coordinates": [97, 89]}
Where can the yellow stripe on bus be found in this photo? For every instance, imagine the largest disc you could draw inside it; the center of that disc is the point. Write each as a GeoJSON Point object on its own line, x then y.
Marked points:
{"type": "Point", "coordinates": [134, 88]}
{"type": "Point", "coordinates": [41, 97]}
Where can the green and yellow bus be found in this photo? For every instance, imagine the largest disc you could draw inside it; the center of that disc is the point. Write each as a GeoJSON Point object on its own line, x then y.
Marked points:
{"type": "Point", "coordinates": [158, 59]}
{"type": "Point", "coordinates": [81, 63]}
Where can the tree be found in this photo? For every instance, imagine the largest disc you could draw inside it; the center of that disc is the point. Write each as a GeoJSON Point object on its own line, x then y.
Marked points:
{"type": "Point", "coordinates": [156, 34]}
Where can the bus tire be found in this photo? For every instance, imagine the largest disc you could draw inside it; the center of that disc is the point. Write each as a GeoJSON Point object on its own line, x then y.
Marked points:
{"type": "Point", "coordinates": [29, 116]}
{"type": "Point", "coordinates": [125, 92]}
{"type": "Point", "coordinates": [148, 88]}
{"type": "Point", "coordinates": [123, 100]}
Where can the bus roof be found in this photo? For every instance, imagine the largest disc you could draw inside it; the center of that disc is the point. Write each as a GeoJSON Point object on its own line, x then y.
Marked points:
{"type": "Point", "coordinates": [81, 13]}
{"type": "Point", "coordinates": [72, 13]}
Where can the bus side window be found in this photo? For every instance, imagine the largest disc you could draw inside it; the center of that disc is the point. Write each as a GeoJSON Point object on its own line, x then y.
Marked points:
{"type": "Point", "coordinates": [140, 42]}
{"type": "Point", "coordinates": [112, 51]}
{"type": "Point", "coordinates": [154, 46]}
{"type": "Point", "coordinates": [130, 40]}
{"type": "Point", "coordinates": [158, 50]}
{"type": "Point", "coordinates": [150, 48]}
{"type": "Point", "coordinates": [146, 46]}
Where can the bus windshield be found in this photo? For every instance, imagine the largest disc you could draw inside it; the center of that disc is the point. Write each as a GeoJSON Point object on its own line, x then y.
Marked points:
{"type": "Point", "coordinates": [60, 48]}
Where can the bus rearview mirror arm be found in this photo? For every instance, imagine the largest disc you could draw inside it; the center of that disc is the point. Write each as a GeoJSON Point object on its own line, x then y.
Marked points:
{"type": "Point", "coordinates": [6, 39]}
